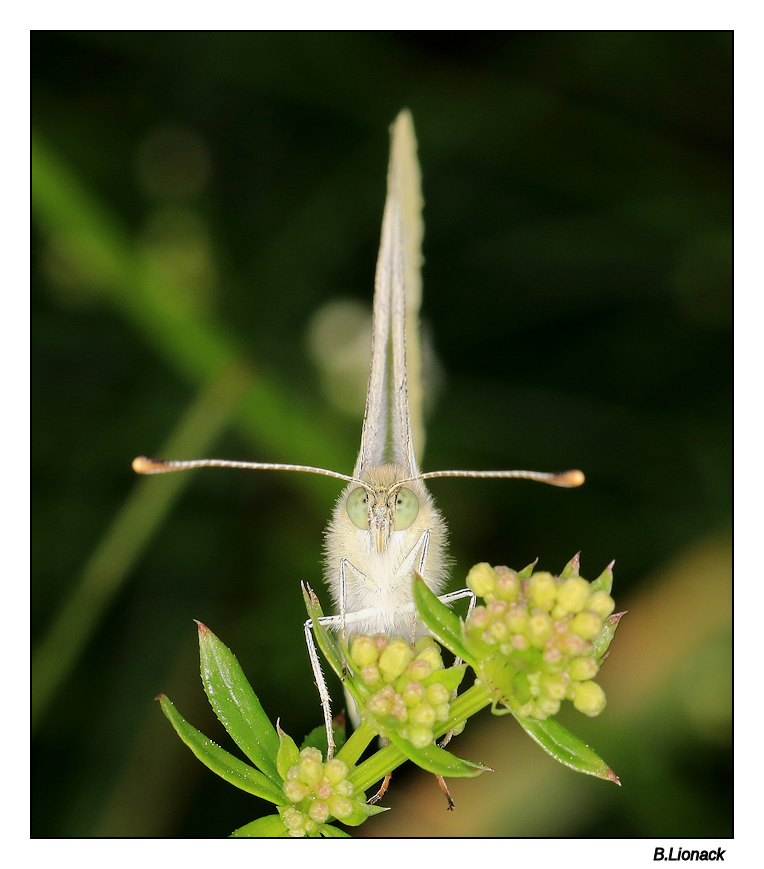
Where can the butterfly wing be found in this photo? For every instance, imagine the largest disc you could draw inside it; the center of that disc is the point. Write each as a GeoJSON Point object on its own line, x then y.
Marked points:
{"type": "Point", "coordinates": [397, 297]}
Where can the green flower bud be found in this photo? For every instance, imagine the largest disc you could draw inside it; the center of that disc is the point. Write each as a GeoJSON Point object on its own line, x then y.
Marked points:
{"type": "Point", "coordinates": [419, 669]}
{"type": "Point", "coordinates": [420, 736]}
{"type": "Point", "coordinates": [507, 584]}
{"type": "Point", "coordinates": [542, 591]}
{"type": "Point", "coordinates": [498, 631]}
{"type": "Point", "coordinates": [478, 620]}
{"type": "Point", "coordinates": [482, 579]}
{"type": "Point", "coordinates": [442, 711]}
{"type": "Point", "coordinates": [583, 668]}
{"type": "Point", "coordinates": [319, 811]}
{"type": "Point", "coordinates": [380, 705]}
{"type": "Point", "coordinates": [586, 624]}
{"type": "Point", "coordinates": [323, 790]}
{"type": "Point", "coordinates": [437, 694]}
{"type": "Point", "coordinates": [553, 686]}
{"type": "Point", "coordinates": [370, 675]}
{"type": "Point", "coordinates": [335, 771]}
{"type": "Point", "coordinates": [517, 618]}
{"type": "Point", "coordinates": [344, 788]}
{"type": "Point", "coordinates": [589, 699]}
{"type": "Point", "coordinates": [497, 608]}
{"type": "Point", "coordinates": [425, 642]}
{"type": "Point", "coordinates": [546, 707]}
{"type": "Point", "coordinates": [423, 715]}
{"type": "Point", "coordinates": [539, 628]}
{"type": "Point", "coordinates": [572, 644]}
{"type": "Point", "coordinates": [601, 603]}
{"type": "Point", "coordinates": [295, 822]}
{"type": "Point", "coordinates": [311, 769]}
{"type": "Point", "coordinates": [519, 642]}
{"type": "Point", "coordinates": [431, 654]}
{"type": "Point", "coordinates": [340, 807]}
{"type": "Point", "coordinates": [295, 791]}
{"type": "Point", "coordinates": [363, 651]}
{"type": "Point", "coordinates": [573, 594]}
{"type": "Point", "coordinates": [413, 693]}
{"type": "Point", "coordinates": [395, 658]}
{"type": "Point", "coordinates": [399, 710]}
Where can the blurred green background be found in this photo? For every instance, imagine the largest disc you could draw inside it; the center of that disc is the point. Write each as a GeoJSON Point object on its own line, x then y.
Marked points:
{"type": "Point", "coordinates": [199, 201]}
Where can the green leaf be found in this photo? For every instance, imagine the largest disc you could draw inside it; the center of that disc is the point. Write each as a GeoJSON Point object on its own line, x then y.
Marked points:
{"type": "Point", "coordinates": [330, 832]}
{"type": "Point", "coordinates": [328, 645]}
{"type": "Point", "coordinates": [604, 582]}
{"type": "Point", "coordinates": [269, 827]}
{"type": "Point", "coordinates": [603, 641]}
{"type": "Point", "coordinates": [436, 760]}
{"type": "Point", "coordinates": [288, 754]}
{"type": "Point", "coordinates": [527, 571]}
{"type": "Point", "coordinates": [228, 767]}
{"type": "Point", "coordinates": [572, 568]}
{"type": "Point", "coordinates": [443, 624]}
{"type": "Point", "coordinates": [317, 738]}
{"type": "Point", "coordinates": [236, 704]}
{"type": "Point", "coordinates": [361, 812]}
{"type": "Point", "coordinates": [567, 748]}
{"type": "Point", "coordinates": [450, 677]}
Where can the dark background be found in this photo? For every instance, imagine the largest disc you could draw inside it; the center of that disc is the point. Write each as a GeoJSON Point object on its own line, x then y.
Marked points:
{"type": "Point", "coordinates": [198, 197]}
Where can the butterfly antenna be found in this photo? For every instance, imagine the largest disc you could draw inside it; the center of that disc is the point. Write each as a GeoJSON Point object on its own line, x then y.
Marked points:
{"type": "Point", "coordinates": [143, 465]}
{"type": "Point", "coordinates": [567, 479]}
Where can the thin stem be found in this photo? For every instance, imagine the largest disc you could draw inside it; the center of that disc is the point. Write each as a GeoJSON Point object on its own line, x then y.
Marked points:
{"type": "Point", "coordinates": [356, 744]}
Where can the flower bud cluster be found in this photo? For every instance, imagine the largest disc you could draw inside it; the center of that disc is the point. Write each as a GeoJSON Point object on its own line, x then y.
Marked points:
{"type": "Point", "coordinates": [406, 686]}
{"type": "Point", "coordinates": [541, 637]}
{"type": "Point", "coordinates": [317, 791]}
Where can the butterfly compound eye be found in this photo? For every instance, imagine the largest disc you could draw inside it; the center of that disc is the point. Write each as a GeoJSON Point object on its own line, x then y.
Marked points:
{"type": "Point", "coordinates": [406, 509]}
{"type": "Point", "coordinates": [357, 509]}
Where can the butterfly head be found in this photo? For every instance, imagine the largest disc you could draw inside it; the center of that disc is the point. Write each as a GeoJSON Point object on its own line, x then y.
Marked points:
{"type": "Point", "coordinates": [385, 502]}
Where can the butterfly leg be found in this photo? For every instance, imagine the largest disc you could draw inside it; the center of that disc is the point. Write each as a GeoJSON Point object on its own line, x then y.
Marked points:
{"type": "Point", "coordinates": [323, 691]}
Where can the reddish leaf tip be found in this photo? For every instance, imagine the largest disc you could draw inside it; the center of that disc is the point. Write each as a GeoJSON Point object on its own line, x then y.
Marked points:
{"type": "Point", "coordinates": [611, 776]}
{"type": "Point", "coordinates": [160, 697]}
{"type": "Point", "coordinates": [203, 629]}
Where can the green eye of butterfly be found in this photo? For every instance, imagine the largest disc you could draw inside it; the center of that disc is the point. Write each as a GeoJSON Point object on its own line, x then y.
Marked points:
{"type": "Point", "coordinates": [406, 509]}
{"type": "Point", "coordinates": [357, 509]}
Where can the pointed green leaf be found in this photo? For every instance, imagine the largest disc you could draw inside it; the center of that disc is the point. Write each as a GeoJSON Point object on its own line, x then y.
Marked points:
{"type": "Point", "coordinates": [572, 568]}
{"type": "Point", "coordinates": [437, 760]}
{"type": "Point", "coordinates": [443, 624]}
{"type": "Point", "coordinates": [603, 641]}
{"type": "Point", "coordinates": [269, 827]}
{"type": "Point", "coordinates": [330, 832]}
{"type": "Point", "coordinates": [236, 704]}
{"type": "Point", "coordinates": [328, 645]}
{"type": "Point", "coordinates": [450, 677]}
{"type": "Point", "coordinates": [317, 738]}
{"type": "Point", "coordinates": [604, 582]}
{"type": "Point", "coordinates": [228, 767]}
{"type": "Point", "coordinates": [566, 748]}
{"type": "Point", "coordinates": [288, 754]}
{"type": "Point", "coordinates": [362, 811]}
{"type": "Point", "coordinates": [527, 571]}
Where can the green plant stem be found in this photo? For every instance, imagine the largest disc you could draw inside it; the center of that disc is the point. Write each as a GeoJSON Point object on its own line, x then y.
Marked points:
{"type": "Point", "coordinates": [356, 743]}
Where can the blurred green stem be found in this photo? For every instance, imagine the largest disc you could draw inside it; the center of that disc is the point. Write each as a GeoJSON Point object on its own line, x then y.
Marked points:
{"type": "Point", "coordinates": [140, 516]}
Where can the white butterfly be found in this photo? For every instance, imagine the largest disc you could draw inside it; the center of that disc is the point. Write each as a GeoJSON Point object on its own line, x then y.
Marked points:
{"type": "Point", "coordinates": [385, 526]}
